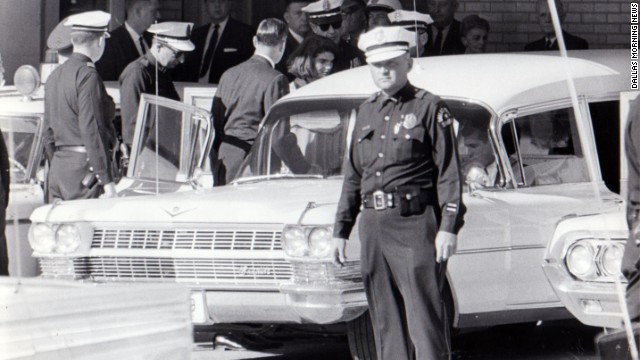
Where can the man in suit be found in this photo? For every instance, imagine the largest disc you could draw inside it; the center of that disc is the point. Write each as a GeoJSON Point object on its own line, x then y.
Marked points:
{"type": "Point", "coordinates": [444, 33]}
{"type": "Point", "coordinates": [244, 95]}
{"type": "Point", "coordinates": [129, 41]}
{"type": "Point", "coordinates": [298, 27]}
{"type": "Point", "coordinates": [354, 17]}
{"type": "Point", "coordinates": [549, 41]}
{"type": "Point", "coordinates": [220, 45]}
{"type": "Point", "coordinates": [325, 19]}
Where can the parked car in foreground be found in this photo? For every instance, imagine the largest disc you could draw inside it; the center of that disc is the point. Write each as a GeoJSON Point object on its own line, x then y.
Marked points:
{"type": "Point", "coordinates": [185, 132]}
{"type": "Point", "coordinates": [256, 250]}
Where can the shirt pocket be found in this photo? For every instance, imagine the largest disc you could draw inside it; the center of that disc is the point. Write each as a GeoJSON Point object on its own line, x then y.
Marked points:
{"type": "Point", "coordinates": [366, 148]}
{"type": "Point", "coordinates": [409, 144]}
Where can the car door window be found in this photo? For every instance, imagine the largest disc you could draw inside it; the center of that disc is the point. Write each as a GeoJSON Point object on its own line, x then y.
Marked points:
{"type": "Point", "coordinates": [544, 149]}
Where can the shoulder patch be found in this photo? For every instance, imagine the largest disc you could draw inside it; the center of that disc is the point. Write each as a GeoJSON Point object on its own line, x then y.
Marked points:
{"type": "Point", "coordinates": [444, 117]}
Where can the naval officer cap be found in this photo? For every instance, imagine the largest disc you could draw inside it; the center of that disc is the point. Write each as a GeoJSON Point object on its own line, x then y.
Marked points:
{"type": "Point", "coordinates": [386, 5]}
{"type": "Point", "coordinates": [174, 34]}
{"type": "Point", "coordinates": [386, 42]}
{"type": "Point", "coordinates": [324, 11]}
{"type": "Point", "coordinates": [95, 21]}
{"type": "Point", "coordinates": [410, 20]}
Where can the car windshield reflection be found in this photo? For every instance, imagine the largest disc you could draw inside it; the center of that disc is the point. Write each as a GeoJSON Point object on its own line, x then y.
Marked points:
{"type": "Point", "coordinates": [20, 137]}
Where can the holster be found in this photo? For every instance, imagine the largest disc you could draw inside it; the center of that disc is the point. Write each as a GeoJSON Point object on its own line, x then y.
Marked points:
{"type": "Point", "coordinates": [412, 199]}
{"type": "Point", "coordinates": [90, 180]}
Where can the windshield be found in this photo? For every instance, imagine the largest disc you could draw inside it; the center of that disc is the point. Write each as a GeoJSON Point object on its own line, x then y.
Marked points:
{"type": "Point", "coordinates": [20, 136]}
{"type": "Point", "coordinates": [310, 138]}
{"type": "Point", "coordinates": [170, 142]}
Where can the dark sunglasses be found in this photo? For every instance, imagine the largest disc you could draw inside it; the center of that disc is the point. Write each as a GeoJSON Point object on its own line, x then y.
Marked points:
{"type": "Point", "coordinates": [176, 52]}
{"type": "Point", "coordinates": [335, 25]}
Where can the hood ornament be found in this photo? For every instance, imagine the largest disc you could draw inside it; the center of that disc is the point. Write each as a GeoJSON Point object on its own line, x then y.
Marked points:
{"type": "Point", "coordinates": [176, 210]}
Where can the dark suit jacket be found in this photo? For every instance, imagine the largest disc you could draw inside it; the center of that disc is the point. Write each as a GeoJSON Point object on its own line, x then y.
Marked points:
{"type": "Point", "coordinates": [452, 43]}
{"type": "Point", "coordinates": [572, 42]}
{"type": "Point", "coordinates": [118, 53]}
{"type": "Point", "coordinates": [235, 45]}
{"type": "Point", "coordinates": [291, 46]}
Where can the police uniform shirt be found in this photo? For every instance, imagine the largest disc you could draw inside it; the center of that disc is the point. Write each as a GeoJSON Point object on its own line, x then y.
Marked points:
{"type": "Point", "coordinates": [137, 78]}
{"type": "Point", "coordinates": [401, 140]}
{"type": "Point", "coordinates": [79, 112]}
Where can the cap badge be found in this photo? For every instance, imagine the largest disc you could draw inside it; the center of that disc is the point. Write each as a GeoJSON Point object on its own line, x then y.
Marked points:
{"type": "Point", "coordinates": [326, 5]}
{"type": "Point", "coordinates": [410, 121]}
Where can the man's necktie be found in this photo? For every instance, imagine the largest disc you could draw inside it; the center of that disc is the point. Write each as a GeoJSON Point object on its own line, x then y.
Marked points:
{"type": "Point", "coordinates": [206, 64]}
{"type": "Point", "coordinates": [142, 47]}
{"type": "Point", "coordinates": [437, 43]}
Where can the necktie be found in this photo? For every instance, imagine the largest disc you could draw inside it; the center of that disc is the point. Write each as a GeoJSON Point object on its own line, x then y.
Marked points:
{"type": "Point", "coordinates": [437, 43]}
{"type": "Point", "coordinates": [206, 64]}
{"type": "Point", "coordinates": [142, 47]}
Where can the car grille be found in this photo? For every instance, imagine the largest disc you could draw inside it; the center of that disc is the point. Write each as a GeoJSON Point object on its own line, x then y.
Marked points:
{"type": "Point", "coordinates": [324, 273]}
{"type": "Point", "coordinates": [187, 239]}
{"type": "Point", "coordinates": [131, 255]}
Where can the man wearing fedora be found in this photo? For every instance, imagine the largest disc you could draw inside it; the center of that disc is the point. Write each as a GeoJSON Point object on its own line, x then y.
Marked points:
{"type": "Point", "coordinates": [79, 114]}
{"type": "Point", "coordinates": [402, 178]}
{"type": "Point", "coordinates": [170, 43]}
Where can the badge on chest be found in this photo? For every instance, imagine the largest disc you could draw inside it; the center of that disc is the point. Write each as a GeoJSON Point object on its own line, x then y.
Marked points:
{"type": "Point", "coordinates": [408, 121]}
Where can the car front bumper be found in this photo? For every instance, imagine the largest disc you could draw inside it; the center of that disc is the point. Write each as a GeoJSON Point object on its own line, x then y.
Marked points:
{"type": "Point", "coordinates": [593, 303]}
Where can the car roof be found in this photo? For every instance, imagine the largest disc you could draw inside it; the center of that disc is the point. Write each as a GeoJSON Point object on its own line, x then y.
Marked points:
{"type": "Point", "coordinates": [501, 81]}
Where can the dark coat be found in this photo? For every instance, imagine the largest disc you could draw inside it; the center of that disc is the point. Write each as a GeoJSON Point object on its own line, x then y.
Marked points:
{"type": "Point", "coordinates": [235, 45]}
{"type": "Point", "coordinates": [291, 45]}
{"type": "Point", "coordinates": [118, 53]}
{"type": "Point", "coordinates": [139, 78]}
{"type": "Point", "coordinates": [572, 42]}
{"type": "Point", "coordinates": [452, 43]}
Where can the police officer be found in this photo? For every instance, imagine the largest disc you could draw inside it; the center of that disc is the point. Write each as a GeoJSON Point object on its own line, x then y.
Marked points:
{"type": "Point", "coordinates": [325, 19]}
{"type": "Point", "coordinates": [403, 178]}
{"type": "Point", "coordinates": [170, 42]}
{"type": "Point", "coordinates": [415, 22]}
{"type": "Point", "coordinates": [79, 114]}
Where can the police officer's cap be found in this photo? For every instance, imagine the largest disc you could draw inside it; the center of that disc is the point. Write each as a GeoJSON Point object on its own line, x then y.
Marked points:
{"type": "Point", "coordinates": [324, 11]}
{"type": "Point", "coordinates": [386, 5]}
{"type": "Point", "coordinates": [96, 21]}
{"type": "Point", "coordinates": [60, 38]}
{"type": "Point", "coordinates": [386, 42]}
{"type": "Point", "coordinates": [410, 20]}
{"type": "Point", "coordinates": [174, 34]}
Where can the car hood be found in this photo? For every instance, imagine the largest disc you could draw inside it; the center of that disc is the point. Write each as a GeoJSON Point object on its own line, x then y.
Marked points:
{"type": "Point", "coordinates": [275, 201]}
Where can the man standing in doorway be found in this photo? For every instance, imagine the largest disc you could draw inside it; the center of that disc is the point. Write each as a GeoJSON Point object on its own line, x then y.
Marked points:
{"type": "Point", "coordinates": [220, 45]}
{"type": "Point", "coordinates": [549, 41]}
{"type": "Point", "coordinates": [402, 176]}
{"type": "Point", "coordinates": [129, 41]}
{"type": "Point", "coordinates": [79, 114]}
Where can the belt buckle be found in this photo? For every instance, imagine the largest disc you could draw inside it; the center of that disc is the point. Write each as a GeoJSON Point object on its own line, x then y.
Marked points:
{"type": "Point", "coordinates": [379, 200]}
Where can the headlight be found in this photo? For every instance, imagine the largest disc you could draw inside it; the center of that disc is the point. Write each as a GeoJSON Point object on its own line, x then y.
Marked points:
{"type": "Point", "coordinates": [320, 242]}
{"type": "Point", "coordinates": [581, 260]}
{"type": "Point", "coordinates": [611, 259]}
{"type": "Point", "coordinates": [294, 241]}
{"type": "Point", "coordinates": [67, 239]}
{"type": "Point", "coordinates": [41, 238]}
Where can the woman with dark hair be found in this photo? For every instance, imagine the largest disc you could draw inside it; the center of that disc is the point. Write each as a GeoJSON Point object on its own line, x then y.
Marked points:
{"type": "Point", "coordinates": [474, 32]}
{"type": "Point", "coordinates": [312, 60]}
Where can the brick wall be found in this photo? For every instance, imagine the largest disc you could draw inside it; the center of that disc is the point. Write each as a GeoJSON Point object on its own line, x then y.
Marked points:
{"type": "Point", "coordinates": [603, 23]}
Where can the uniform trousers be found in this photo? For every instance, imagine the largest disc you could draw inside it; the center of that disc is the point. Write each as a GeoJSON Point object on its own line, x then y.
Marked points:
{"type": "Point", "coordinates": [4, 249]}
{"type": "Point", "coordinates": [400, 278]}
{"type": "Point", "coordinates": [68, 169]}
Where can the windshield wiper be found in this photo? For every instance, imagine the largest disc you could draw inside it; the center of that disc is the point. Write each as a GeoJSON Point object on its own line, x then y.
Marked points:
{"type": "Point", "coordinates": [276, 177]}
